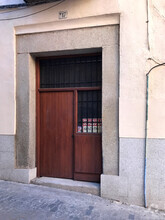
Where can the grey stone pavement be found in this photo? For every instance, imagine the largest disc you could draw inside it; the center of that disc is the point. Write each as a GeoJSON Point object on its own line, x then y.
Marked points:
{"type": "Point", "coordinates": [31, 202]}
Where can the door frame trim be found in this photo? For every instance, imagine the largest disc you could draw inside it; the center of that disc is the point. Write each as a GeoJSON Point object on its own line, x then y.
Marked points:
{"type": "Point", "coordinates": [37, 118]}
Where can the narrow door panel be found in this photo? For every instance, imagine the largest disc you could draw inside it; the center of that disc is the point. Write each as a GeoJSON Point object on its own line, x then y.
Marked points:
{"type": "Point", "coordinates": [88, 161]}
{"type": "Point", "coordinates": [56, 141]}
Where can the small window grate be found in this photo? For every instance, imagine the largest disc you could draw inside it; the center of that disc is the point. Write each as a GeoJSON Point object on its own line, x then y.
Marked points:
{"type": "Point", "coordinates": [89, 111]}
{"type": "Point", "coordinates": [78, 71]}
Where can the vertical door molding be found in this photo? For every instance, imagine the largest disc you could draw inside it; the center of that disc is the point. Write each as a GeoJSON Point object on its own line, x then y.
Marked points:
{"type": "Point", "coordinates": [110, 110]}
{"type": "Point", "coordinates": [25, 140]}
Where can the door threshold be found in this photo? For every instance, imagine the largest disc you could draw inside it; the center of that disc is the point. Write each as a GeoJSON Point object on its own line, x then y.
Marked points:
{"type": "Point", "coordinates": [68, 184]}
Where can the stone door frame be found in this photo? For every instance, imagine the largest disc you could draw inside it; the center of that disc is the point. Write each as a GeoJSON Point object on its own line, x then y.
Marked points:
{"type": "Point", "coordinates": [62, 42]}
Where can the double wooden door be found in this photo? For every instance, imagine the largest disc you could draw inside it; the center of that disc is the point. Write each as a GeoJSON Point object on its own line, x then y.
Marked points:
{"type": "Point", "coordinates": [68, 117]}
{"type": "Point", "coordinates": [65, 153]}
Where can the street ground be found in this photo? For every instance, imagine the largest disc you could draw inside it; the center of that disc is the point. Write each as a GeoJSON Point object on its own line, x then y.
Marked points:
{"type": "Point", "coordinates": [31, 202]}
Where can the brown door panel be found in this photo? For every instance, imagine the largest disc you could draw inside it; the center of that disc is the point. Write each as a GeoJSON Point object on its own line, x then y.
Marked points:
{"type": "Point", "coordinates": [88, 156]}
{"type": "Point", "coordinates": [56, 130]}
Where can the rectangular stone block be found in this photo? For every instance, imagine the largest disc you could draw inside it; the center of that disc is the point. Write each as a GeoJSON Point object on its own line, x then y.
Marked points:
{"type": "Point", "coordinates": [18, 175]}
{"type": "Point", "coordinates": [114, 187]}
{"type": "Point", "coordinates": [68, 40]}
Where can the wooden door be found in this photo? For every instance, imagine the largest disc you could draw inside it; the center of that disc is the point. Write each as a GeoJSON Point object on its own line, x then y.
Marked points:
{"type": "Point", "coordinates": [69, 92]}
{"type": "Point", "coordinates": [56, 134]}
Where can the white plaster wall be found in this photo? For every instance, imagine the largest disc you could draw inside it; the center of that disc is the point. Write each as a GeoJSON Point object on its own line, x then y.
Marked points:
{"type": "Point", "coordinates": [156, 116]}
{"type": "Point", "coordinates": [133, 56]}
{"type": "Point", "coordinates": [10, 2]}
{"type": "Point", "coordinates": [156, 103]}
{"type": "Point", "coordinates": [157, 29]}
{"type": "Point", "coordinates": [141, 38]}
{"type": "Point", "coordinates": [7, 71]}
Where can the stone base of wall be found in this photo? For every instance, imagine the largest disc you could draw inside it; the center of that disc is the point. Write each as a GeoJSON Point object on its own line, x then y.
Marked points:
{"type": "Point", "coordinates": [114, 187]}
{"type": "Point", "coordinates": [128, 187]}
{"type": "Point", "coordinates": [155, 173]}
{"type": "Point", "coordinates": [18, 175]}
{"type": "Point", "coordinates": [7, 162]}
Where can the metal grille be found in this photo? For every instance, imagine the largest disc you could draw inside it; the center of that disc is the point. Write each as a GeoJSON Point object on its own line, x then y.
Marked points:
{"type": "Point", "coordinates": [89, 111]}
{"type": "Point", "coordinates": [78, 71]}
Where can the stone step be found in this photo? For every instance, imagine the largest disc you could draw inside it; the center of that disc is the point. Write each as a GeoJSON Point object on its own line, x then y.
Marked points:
{"type": "Point", "coordinates": [67, 184]}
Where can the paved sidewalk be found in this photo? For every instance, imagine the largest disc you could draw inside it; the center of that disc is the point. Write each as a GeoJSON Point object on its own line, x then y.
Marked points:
{"type": "Point", "coordinates": [31, 202]}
